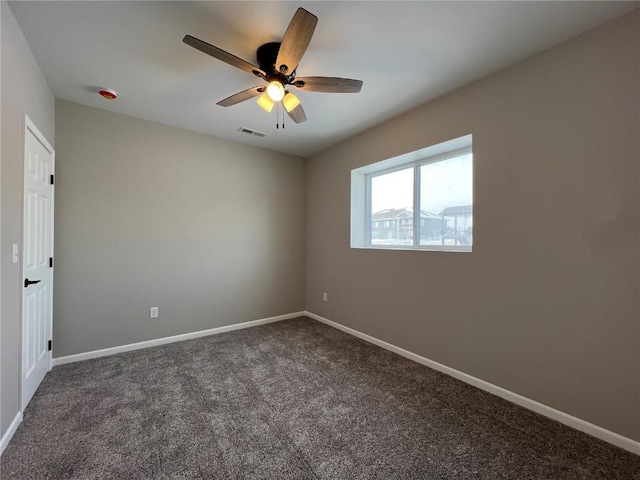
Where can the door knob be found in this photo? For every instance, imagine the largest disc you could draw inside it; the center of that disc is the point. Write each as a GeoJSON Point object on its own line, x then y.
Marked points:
{"type": "Point", "coordinates": [28, 282]}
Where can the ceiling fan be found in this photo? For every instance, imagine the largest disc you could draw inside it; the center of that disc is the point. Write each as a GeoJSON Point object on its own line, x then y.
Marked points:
{"type": "Point", "coordinates": [278, 62]}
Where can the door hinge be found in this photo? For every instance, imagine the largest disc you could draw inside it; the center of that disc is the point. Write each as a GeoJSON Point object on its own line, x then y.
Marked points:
{"type": "Point", "coordinates": [52, 179]}
{"type": "Point", "coordinates": [49, 345]}
{"type": "Point", "coordinates": [50, 262]}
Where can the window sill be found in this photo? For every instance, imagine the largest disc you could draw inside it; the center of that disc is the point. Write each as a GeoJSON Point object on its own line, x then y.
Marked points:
{"type": "Point", "coordinates": [418, 248]}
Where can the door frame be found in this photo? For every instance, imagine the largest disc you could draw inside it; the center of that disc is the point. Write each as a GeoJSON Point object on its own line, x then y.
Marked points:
{"type": "Point", "coordinates": [29, 126]}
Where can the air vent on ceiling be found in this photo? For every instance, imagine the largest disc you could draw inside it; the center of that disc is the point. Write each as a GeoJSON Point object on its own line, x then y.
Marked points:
{"type": "Point", "coordinates": [248, 131]}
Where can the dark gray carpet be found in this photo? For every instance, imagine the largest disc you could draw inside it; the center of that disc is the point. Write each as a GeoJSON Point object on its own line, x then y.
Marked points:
{"type": "Point", "coordinates": [294, 399]}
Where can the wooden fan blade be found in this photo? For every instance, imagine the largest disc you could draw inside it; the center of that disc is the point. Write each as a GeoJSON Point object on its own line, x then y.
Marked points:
{"type": "Point", "coordinates": [295, 41]}
{"type": "Point", "coordinates": [328, 84]}
{"type": "Point", "coordinates": [220, 54]}
{"type": "Point", "coordinates": [242, 96]}
{"type": "Point", "coordinates": [297, 114]}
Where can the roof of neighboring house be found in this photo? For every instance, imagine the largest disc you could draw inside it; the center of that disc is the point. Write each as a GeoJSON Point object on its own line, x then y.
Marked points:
{"type": "Point", "coordinates": [393, 213]}
{"type": "Point", "coordinates": [457, 211]}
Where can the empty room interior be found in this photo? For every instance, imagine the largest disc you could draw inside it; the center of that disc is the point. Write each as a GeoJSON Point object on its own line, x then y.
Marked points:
{"type": "Point", "coordinates": [320, 240]}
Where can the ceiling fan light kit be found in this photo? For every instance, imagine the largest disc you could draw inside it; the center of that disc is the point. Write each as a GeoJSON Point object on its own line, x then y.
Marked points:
{"type": "Point", "coordinates": [275, 90]}
{"type": "Point", "coordinates": [290, 101]}
{"type": "Point", "coordinates": [277, 66]}
{"type": "Point", "coordinates": [265, 102]}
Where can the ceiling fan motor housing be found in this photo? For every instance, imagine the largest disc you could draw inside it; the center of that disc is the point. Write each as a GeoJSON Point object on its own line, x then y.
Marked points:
{"type": "Point", "coordinates": [267, 55]}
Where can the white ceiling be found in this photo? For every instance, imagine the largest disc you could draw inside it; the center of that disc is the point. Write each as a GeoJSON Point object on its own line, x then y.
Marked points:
{"type": "Point", "coordinates": [405, 52]}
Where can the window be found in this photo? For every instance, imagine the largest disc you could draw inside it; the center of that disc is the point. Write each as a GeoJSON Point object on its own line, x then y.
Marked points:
{"type": "Point", "coordinates": [424, 199]}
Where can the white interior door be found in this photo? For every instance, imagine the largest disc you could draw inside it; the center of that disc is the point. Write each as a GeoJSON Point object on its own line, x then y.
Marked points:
{"type": "Point", "coordinates": [37, 260]}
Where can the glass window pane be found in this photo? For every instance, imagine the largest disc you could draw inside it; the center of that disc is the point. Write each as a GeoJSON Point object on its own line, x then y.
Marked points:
{"type": "Point", "coordinates": [392, 208]}
{"type": "Point", "coordinates": [446, 202]}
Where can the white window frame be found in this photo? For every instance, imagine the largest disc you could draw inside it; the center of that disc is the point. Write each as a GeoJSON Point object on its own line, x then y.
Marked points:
{"type": "Point", "coordinates": [361, 193]}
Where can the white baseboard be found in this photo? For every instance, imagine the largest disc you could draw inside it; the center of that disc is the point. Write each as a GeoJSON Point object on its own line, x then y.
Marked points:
{"type": "Point", "coordinates": [176, 338]}
{"type": "Point", "coordinates": [562, 417]}
{"type": "Point", "coordinates": [8, 435]}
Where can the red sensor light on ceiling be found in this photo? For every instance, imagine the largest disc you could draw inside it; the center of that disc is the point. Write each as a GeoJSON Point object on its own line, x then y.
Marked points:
{"type": "Point", "coordinates": [108, 94]}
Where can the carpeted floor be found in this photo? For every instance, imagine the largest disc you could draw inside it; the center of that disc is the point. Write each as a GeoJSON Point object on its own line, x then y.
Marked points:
{"type": "Point", "coordinates": [294, 399]}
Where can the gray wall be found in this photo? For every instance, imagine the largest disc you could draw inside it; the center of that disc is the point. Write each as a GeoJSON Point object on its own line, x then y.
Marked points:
{"type": "Point", "coordinates": [24, 91]}
{"type": "Point", "coordinates": [547, 304]}
{"type": "Point", "coordinates": [210, 231]}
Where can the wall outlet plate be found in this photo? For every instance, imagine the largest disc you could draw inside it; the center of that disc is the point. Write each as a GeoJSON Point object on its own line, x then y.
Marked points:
{"type": "Point", "coordinates": [153, 312]}
{"type": "Point", "coordinates": [324, 296]}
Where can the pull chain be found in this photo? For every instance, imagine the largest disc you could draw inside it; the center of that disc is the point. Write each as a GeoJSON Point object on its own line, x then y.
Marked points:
{"type": "Point", "coordinates": [278, 116]}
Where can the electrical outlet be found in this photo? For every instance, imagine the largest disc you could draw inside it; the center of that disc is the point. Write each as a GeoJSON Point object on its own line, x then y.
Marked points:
{"type": "Point", "coordinates": [324, 297]}
{"type": "Point", "coordinates": [153, 312]}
